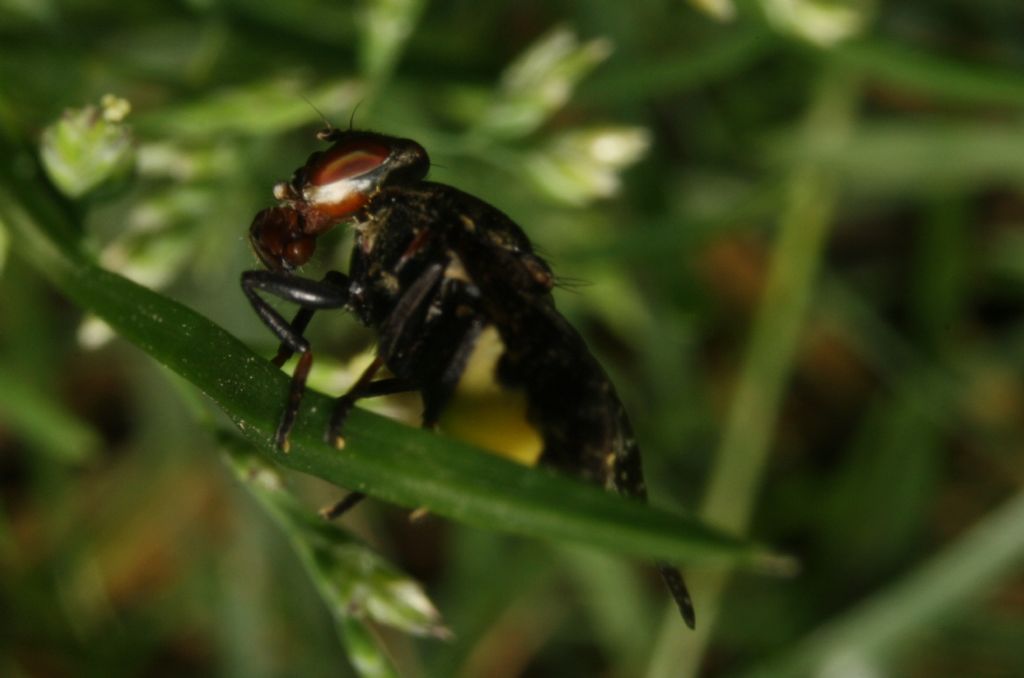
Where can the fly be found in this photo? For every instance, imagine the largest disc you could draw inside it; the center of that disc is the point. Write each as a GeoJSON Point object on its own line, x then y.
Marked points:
{"type": "Point", "coordinates": [437, 274]}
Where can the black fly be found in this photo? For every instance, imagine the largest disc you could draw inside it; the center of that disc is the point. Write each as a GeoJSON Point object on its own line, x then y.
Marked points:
{"type": "Point", "coordinates": [438, 273]}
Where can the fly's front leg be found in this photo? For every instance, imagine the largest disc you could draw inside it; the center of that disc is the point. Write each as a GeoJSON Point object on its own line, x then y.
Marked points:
{"type": "Point", "coordinates": [311, 295]}
{"type": "Point", "coordinates": [298, 325]}
{"type": "Point", "coordinates": [305, 314]}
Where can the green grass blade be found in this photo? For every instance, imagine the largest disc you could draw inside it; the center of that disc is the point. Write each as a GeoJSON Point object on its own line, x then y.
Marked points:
{"type": "Point", "coordinates": [357, 586]}
{"type": "Point", "coordinates": [36, 416]}
{"type": "Point", "coordinates": [931, 74]}
{"type": "Point", "coordinates": [402, 465]}
{"type": "Point", "coordinates": [873, 631]}
{"type": "Point", "coordinates": [743, 451]}
{"type": "Point", "coordinates": [680, 71]}
{"type": "Point", "coordinates": [901, 158]}
{"type": "Point", "coordinates": [258, 108]}
{"type": "Point", "coordinates": [367, 657]}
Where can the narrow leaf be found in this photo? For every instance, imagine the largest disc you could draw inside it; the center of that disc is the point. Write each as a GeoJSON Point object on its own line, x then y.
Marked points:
{"type": "Point", "coordinates": [399, 464]}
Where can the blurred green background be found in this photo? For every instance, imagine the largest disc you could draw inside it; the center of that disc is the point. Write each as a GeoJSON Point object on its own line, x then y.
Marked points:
{"type": "Point", "coordinates": [792, 230]}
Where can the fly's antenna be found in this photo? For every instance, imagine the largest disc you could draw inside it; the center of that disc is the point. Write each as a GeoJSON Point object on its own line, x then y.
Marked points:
{"type": "Point", "coordinates": [352, 117]}
{"type": "Point", "coordinates": [328, 131]}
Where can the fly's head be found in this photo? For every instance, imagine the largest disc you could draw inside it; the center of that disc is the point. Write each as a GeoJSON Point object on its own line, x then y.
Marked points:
{"type": "Point", "coordinates": [332, 187]}
{"type": "Point", "coordinates": [278, 237]}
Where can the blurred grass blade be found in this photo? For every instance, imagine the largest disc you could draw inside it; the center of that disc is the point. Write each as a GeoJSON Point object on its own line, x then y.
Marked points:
{"type": "Point", "coordinates": [887, 622]}
{"type": "Point", "coordinates": [41, 421]}
{"type": "Point", "coordinates": [1004, 258]}
{"type": "Point", "coordinates": [895, 158]}
{"type": "Point", "coordinates": [8, 546]}
{"type": "Point", "coordinates": [613, 595]}
{"type": "Point", "coordinates": [583, 165]}
{"type": "Point", "coordinates": [386, 26]}
{"type": "Point", "coordinates": [399, 464]}
{"type": "Point", "coordinates": [723, 10]}
{"type": "Point", "coordinates": [743, 451]}
{"type": "Point", "coordinates": [311, 21]}
{"type": "Point", "coordinates": [822, 22]}
{"type": "Point", "coordinates": [366, 655]}
{"type": "Point", "coordinates": [260, 108]}
{"type": "Point", "coordinates": [354, 581]}
{"type": "Point", "coordinates": [5, 246]}
{"type": "Point", "coordinates": [684, 69]}
{"type": "Point", "coordinates": [88, 147]}
{"type": "Point", "coordinates": [931, 74]}
{"type": "Point", "coordinates": [540, 81]}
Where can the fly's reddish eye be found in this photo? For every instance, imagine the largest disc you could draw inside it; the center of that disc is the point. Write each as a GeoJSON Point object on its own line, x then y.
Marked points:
{"type": "Point", "coordinates": [273, 234]}
{"type": "Point", "coordinates": [298, 252]}
{"type": "Point", "coordinates": [351, 160]}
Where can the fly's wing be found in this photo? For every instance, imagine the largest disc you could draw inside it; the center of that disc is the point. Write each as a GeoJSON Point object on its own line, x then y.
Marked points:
{"type": "Point", "coordinates": [571, 402]}
{"type": "Point", "coordinates": [570, 399]}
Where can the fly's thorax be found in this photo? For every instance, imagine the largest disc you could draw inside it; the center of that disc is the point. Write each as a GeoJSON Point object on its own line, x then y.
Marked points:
{"type": "Point", "coordinates": [367, 229]}
{"type": "Point", "coordinates": [378, 268]}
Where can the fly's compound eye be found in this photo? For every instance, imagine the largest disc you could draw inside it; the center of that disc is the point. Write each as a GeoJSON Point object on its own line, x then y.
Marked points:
{"type": "Point", "coordinates": [347, 161]}
{"type": "Point", "coordinates": [278, 239]}
{"type": "Point", "coordinates": [338, 182]}
{"type": "Point", "coordinates": [298, 252]}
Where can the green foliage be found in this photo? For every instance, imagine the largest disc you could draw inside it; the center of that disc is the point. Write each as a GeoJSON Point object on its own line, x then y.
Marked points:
{"type": "Point", "coordinates": [404, 465]}
{"type": "Point", "coordinates": [798, 228]}
{"type": "Point", "coordinates": [357, 585]}
{"type": "Point", "coordinates": [88, 147]}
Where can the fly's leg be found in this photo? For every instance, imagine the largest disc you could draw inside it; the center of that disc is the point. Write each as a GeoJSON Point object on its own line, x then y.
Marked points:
{"type": "Point", "coordinates": [342, 506]}
{"type": "Point", "coordinates": [342, 407]}
{"type": "Point", "coordinates": [440, 391]}
{"type": "Point", "coordinates": [405, 320]}
{"type": "Point", "coordinates": [673, 579]}
{"type": "Point", "coordinates": [365, 387]}
{"type": "Point", "coordinates": [311, 295]}
{"type": "Point", "coordinates": [304, 315]}
{"type": "Point", "coordinates": [298, 325]}
{"type": "Point", "coordinates": [434, 401]}
{"type": "Point", "coordinates": [407, 317]}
